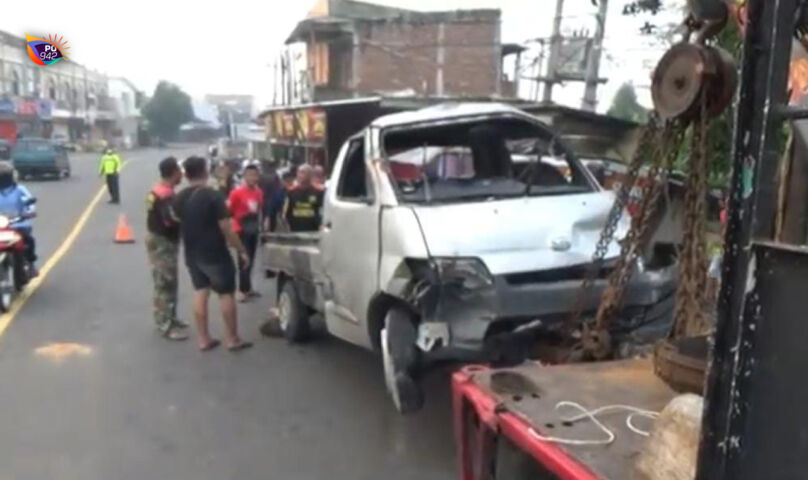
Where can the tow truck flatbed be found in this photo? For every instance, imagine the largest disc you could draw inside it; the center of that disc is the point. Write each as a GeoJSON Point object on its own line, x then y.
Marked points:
{"type": "Point", "coordinates": [520, 404]}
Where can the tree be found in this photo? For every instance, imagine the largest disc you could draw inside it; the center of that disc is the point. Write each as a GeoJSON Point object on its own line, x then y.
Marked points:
{"type": "Point", "coordinates": [625, 105]}
{"type": "Point", "coordinates": [167, 109]}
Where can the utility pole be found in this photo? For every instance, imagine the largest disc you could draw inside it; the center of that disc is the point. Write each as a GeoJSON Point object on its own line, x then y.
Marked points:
{"type": "Point", "coordinates": [284, 100]}
{"type": "Point", "coordinates": [555, 49]}
{"type": "Point", "coordinates": [290, 77]}
{"type": "Point", "coordinates": [275, 83]}
{"type": "Point", "coordinates": [590, 102]}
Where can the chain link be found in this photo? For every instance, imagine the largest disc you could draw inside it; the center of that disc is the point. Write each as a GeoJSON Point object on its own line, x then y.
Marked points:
{"type": "Point", "coordinates": [647, 144]}
{"type": "Point", "coordinates": [690, 296]}
{"type": "Point", "coordinates": [636, 238]}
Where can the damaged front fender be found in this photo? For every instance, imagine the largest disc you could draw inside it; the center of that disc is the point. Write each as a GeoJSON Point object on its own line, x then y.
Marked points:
{"type": "Point", "coordinates": [456, 300]}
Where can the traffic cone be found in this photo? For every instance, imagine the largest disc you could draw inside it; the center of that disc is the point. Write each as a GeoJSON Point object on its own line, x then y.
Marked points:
{"type": "Point", "coordinates": [123, 233]}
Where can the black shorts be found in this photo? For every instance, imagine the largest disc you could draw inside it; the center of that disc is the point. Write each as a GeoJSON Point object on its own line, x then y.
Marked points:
{"type": "Point", "coordinates": [219, 277]}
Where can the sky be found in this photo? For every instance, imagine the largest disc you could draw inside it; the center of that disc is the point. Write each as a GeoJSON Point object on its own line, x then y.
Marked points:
{"type": "Point", "coordinates": [229, 47]}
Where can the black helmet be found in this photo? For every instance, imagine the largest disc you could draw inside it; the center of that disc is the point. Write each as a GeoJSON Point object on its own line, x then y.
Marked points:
{"type": "Point", "coordinates": [6, 175]}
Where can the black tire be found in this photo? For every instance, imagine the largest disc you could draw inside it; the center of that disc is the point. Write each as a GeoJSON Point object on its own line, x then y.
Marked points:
{"type": "Point", "coordinates": [400, 360]}
{"type": "Point", "coordinates": [21, 273]}
{"type": "Point", "coordinates": [293, 314]}
{"type": "Point", "coordinates": [7, 287]}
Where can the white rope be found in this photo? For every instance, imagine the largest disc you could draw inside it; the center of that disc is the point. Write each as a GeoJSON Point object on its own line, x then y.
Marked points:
{"type": "Point", "coordinates": [592, 415]}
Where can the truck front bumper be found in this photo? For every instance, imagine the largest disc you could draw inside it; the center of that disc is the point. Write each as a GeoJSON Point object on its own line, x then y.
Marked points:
{"type": "Point", "coordinates": [518, 305]}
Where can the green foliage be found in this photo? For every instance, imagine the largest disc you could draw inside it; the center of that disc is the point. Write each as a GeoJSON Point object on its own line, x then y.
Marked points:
{"type": "Point", "coordinates": [167, 110]}
{"type": "Point", "coordinates": [626, 107]}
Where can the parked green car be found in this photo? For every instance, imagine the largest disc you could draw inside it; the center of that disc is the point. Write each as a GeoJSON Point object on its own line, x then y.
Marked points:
{"type": "Point", "coordinates": [38, 156]}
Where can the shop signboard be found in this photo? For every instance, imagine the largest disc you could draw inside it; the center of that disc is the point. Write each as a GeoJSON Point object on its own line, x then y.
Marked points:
{"type": "Point", "coordinates": [7, 106]}
{"type": "Point", "coordinates": [301, 125]}
{"type": "Point", "coordinates": [45, 108]}
{"type": "Point", "coordinates": [27, 108]}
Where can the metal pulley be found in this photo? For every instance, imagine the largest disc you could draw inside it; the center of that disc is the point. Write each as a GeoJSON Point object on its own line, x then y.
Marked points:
{"type": "Point", "coordinates": [723, 85]}
{"type": "Point", "coordinates": [687, 70]}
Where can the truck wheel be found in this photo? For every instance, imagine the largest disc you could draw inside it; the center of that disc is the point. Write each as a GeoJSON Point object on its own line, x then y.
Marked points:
{"type": "Point", "coordinates": [7, 287]}
{"type": "Point", "coordinates": [292, 313]}
{"type": "Point", "coordinates": [400, 358]}
{"type": "Point", "coordinates": [21, 273]}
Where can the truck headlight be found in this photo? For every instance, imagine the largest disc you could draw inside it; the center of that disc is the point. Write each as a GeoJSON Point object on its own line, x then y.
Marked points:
{"type": "Point", "coordinates": [469, 273]}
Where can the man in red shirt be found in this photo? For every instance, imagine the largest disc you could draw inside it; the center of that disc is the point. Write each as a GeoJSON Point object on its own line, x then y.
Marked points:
{"type": "Point", "coordinates": [246, 203]}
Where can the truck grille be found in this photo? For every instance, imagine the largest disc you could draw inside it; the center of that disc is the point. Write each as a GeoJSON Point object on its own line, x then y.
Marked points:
{"type": "Point", "coordinates": [577, 272]}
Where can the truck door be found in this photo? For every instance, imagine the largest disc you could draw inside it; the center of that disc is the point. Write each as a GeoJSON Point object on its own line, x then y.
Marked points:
{"type": "Point", "coordinates": [350, 244]}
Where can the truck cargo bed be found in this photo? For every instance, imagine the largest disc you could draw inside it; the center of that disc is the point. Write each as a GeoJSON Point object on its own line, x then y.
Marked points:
{"type": "Point", "coordinates": [295, 254]}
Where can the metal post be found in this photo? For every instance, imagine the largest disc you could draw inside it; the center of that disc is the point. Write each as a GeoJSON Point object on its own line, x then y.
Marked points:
{"type": "Point", "coordinates": [517, 72]}
{"type": "Point", "coordinates": [755, 418]}
{"type": "Point", "coordinates": [275, 83]}
{"type": "Point", "coordinates": [440, 60]}
{"type": "Point", "coordinates": [590, 102]}
{"type": "Point", "coordinates": [356, 53]}
{"type": "Point", "coordinates": [290, 77]}
{"type": "Point", "coordinates": [555, 47]}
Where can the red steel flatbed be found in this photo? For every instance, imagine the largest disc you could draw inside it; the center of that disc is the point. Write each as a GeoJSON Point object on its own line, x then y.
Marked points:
{"type": "Point", "coordinates": [520, 404]}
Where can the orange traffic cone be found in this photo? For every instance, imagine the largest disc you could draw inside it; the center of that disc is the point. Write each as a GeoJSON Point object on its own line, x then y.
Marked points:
{"type": "Point", "coordinates": [123, 233]}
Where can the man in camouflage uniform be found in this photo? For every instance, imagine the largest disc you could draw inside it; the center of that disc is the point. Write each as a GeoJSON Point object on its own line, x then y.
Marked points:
{"type": "Point", "coordinates": [162, 245]}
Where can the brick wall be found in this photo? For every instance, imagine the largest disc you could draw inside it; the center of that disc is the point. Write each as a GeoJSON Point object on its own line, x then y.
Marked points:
{"type": "Point", "coordinates": [403, 54]}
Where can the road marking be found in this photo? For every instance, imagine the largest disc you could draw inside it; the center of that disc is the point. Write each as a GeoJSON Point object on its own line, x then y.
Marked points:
{"type": "Point", "coordinates": [31, 288]}
{"type": "Point", "coordinates": [58, 352]}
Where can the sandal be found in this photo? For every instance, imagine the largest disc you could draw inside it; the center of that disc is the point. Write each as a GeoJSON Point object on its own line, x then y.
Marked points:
{"type": "Point", "coordinates": [210, 346]}
{"type": "Point", "coordinates": [240, 346]}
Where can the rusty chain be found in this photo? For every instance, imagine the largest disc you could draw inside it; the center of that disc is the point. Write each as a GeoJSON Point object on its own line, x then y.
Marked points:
{"type": "Point", "coordinates": [596, 340]}
{"type": "Point", "coordinates": [636, 237]}
{"type": "Point", "coordinates": [690, 295]}
{"type": "Point", "coordinates": [648, 144]}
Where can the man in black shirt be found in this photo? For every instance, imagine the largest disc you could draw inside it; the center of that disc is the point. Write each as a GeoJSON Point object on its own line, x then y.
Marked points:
{"type": "Point", "coordinates": [304, 201]}
{"type": "Point", "coordinates": [162, 245]}
{"type": "Point", "coordinates": [207, 230]}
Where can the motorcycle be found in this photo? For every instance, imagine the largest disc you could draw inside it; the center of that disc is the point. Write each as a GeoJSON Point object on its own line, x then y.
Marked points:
{"type": "Point", "coordinates": [15, 269]}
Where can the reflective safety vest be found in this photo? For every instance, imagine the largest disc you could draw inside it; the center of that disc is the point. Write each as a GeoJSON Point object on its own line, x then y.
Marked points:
{"type": "Point", "coordinates": [110, 164]}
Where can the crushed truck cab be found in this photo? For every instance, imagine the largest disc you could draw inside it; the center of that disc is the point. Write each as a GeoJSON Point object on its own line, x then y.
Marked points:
{"type": "Point", "coordinates": [448, 231]}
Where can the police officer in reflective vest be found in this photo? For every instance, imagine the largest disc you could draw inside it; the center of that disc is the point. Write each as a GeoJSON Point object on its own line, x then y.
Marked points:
{"type": "Point", "coordinates": [304, 202]}
{"type": "Point", "coordinates": [110, 168]}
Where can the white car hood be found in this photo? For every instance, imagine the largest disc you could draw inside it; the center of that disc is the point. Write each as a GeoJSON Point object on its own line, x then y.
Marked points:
{"type": "Point", "coordinates": [521, 235]}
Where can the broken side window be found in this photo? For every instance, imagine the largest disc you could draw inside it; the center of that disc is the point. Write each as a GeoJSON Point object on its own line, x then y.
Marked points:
{"type": "Point", "coordinates": [481, 160]}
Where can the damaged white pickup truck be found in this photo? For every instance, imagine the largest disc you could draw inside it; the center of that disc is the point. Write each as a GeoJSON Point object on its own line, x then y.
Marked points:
{"type": "Point", "coordinates": [448, 232]}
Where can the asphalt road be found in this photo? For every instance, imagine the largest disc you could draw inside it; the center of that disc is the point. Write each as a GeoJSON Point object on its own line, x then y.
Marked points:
{"type": "Point", "coordinates": [89, 391]}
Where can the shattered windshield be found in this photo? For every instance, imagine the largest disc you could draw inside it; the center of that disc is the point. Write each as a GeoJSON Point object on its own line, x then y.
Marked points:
{"type": "Point", "coordinates": [482, 160]}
